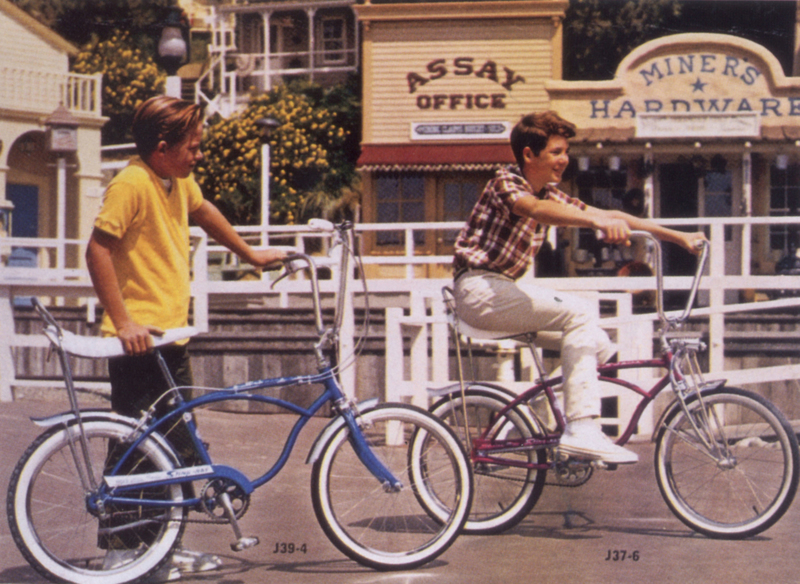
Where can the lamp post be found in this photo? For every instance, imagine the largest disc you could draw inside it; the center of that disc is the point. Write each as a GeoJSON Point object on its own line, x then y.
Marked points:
{"type": "Point", "coordinates": [265, 126]}
{"type": "Point", "coordinates": [173, 50]}
{"type": "Point", "coordinates": [62, 140]}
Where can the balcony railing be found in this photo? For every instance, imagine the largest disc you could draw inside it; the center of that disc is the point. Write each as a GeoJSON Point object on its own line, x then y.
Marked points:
{"type": "Point", "coordinates": [43, 91]}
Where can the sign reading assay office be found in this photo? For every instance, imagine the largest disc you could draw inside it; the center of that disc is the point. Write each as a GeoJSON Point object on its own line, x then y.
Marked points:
{"type": "Point", "coordinates": [493, 82]}
{"type": "Point", "coordinates": [686, 85]}
{"type": "Point", "coordinates": [502, 76]}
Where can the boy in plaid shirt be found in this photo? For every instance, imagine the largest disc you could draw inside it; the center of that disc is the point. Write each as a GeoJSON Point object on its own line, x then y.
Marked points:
{"type": "Point", "coordinates": [503, 233]}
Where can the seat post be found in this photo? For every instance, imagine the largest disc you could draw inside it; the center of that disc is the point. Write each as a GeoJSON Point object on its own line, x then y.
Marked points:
{"type": "Point", "coordinates": [529, 340]}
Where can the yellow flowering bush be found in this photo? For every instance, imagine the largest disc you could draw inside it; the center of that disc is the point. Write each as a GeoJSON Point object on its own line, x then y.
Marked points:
{"type": "Point", "coordinates": [129, 78]}
{"type": "Point", "coordinates": [300, 148]}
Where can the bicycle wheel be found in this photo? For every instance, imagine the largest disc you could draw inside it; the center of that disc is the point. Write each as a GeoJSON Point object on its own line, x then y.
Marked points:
{"type": "Point", "coordinates": [504, 493]}
{"type": "Point", "coordinates": [50, 519]}
{"type": "Point", "coordinates": [736, 476]}
{"type": "Point", "coordinates": [382, 528]}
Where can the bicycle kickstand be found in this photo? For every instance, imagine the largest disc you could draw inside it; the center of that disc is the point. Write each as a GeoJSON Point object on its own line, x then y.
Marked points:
{"type": "Point", "coordinates": [242, 543]}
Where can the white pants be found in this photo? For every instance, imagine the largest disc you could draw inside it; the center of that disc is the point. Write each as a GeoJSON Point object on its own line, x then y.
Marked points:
{"type": "Point", "coordinates": [493, 302]}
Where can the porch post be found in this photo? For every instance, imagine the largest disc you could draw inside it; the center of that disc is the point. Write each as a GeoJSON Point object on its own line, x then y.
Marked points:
{"type": "Point", "coordinates": [311, 44]}
{"type": "Point", "coordinates": [747, 203]}
{"type": "Point", "coordinates": [267, 51]}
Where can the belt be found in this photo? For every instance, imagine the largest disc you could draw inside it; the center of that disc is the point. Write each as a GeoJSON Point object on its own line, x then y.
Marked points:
{"type": "Point", "coordinates": [461, 271]}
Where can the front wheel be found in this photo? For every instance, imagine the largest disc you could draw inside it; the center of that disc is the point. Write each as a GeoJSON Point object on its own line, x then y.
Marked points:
{"type": "Point", "coordinates": [382, 527]}
{"type": "Point", "coordinates": [55, 526]}
{"type": "Point", "coordinates": [728, 469]}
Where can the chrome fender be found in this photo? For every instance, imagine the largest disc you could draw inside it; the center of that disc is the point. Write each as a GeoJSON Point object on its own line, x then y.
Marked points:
{"type": "Point", "coordinates": [333, 426]}
{"type": "Point", "coordinates": [669, 411]}
{"type": "Point", "coordinates": [69, 418]}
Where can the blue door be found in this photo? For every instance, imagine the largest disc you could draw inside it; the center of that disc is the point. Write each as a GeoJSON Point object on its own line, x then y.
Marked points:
{"type": "Point", "coordinates": [24, 223]}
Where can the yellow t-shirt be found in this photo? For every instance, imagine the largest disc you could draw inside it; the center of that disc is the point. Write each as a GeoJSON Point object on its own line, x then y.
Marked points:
{"type": "Point", "coordinates": [152, 262]}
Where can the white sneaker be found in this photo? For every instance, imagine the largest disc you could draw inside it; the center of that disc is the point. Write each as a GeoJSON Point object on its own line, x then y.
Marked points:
{"type": "Point", "coordinates": [190, 562]}
{"type": "Point", "coordinates": [166, 573]}
{"type": "Point", "coordinates": [584, 439]}
{"type": "Point", "coordinates": [184, 562]}
{"type": "Point", "coordinates": [117, 558]}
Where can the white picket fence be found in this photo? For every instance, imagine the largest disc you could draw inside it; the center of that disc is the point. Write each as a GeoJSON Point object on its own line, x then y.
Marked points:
{"type": "Point", "coordinates": [413, 306]}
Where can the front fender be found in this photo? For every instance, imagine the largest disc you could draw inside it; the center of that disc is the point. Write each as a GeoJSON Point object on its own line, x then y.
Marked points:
{"type": "Point", "coordinates": [669, 411]}
{"type": "Point", "coordinates": [334, 425]}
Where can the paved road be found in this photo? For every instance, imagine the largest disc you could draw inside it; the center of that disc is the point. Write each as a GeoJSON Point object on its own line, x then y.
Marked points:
{"type": "Point", "coordinates": [568, 536]}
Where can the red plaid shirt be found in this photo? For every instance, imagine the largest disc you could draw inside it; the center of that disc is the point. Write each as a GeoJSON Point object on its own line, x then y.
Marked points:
{"type": "Point", "coordinates": [496, 239]}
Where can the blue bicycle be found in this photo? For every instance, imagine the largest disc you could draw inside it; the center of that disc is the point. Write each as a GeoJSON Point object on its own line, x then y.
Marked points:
{"type": "Point", "coordinates": [391, 484]}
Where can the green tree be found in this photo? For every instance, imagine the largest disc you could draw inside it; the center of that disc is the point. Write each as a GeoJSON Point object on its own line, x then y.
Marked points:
{"type": "Point", "coordinates": [598, 34]}
{"type": "Point", "coordinates": [302, 151]}
{"type": "Point", "coordinates": [129, 78]}
{"type": "Point", "coordinates": [81, 21]}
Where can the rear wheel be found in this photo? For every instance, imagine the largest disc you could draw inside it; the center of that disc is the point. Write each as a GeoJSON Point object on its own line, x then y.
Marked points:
{"type": "Point", "coordinates": [728, 469]}
{"type": "Point", "coordinates": [52, 521]}
{"type": "Point", "coordinates": [504, 493]}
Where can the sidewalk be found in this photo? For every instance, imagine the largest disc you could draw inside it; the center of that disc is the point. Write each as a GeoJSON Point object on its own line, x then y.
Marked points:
{"type": "Point", "coordinates": [571, 535]}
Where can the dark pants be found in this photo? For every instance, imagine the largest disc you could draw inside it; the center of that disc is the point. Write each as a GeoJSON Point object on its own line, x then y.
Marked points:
{"type": "Point", "coordinates": [136, 383]}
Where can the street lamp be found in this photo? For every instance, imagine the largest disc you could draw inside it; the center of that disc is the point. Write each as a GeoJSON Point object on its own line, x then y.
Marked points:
{"type": "Point", "coordinates": [265, 126]}
{"type": "Point", "coordinates": [172, 50]}
{"type": "Point", "coordinates": [62, 139]}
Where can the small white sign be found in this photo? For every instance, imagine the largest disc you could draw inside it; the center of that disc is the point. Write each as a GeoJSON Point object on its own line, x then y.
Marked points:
{"type": "Point", "coordinates": [675, 125]}
{"type": "Point", "coordinates": [460, 130]}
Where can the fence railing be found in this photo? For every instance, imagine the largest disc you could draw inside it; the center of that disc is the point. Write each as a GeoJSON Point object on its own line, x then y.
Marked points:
{"type": "Point", "coordinates": [43, 91]}
{"type": "Point", "coordinates": [420, 297]}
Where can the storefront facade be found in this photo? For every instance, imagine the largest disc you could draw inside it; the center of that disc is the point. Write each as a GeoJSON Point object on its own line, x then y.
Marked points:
{"type": "Point", "coordinates": [692, 125]}
{"type": "Point", "coordinates": [443, 84]}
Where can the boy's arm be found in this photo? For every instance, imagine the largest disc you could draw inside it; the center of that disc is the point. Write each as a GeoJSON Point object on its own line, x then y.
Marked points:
{"type": "Point", "coordinates": [214, 223]}
{"type": "Point", "coordinates": [616, 226]}
{"type": "Point", "coordinates": [135, 338]}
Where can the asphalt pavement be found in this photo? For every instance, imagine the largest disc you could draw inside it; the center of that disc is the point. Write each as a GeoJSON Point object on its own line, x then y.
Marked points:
{"type": "Point", "coordinates": [614, 529]}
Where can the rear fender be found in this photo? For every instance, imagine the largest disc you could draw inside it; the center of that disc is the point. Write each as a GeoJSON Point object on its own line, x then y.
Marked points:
{"type": "Point", "coordinates": [69, 418]}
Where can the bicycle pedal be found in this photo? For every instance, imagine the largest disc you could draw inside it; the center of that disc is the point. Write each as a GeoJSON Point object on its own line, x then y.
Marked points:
{"type": "Point", "coordinates": [602, 465]}
{"type": "Point", "coordinates": [244, 543]}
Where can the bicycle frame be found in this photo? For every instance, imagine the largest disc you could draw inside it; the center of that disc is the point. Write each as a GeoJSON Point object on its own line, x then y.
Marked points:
{"type": "Point", "coordinates": [116, 485]}
{"type": "Point", "coordinates": [487, 446]}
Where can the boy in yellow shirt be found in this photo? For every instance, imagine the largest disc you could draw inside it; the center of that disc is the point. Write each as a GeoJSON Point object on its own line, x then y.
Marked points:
{"type": "Point", "coordinates": [138, 259]}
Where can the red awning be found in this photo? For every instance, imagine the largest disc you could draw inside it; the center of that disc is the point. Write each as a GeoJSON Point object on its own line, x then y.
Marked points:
{"type": "Point", "coordinates": [434, 156]}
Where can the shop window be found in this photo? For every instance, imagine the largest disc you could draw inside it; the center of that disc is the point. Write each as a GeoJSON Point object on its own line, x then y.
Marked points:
{"type": "Point", "coordinates": [718, 197]}
{"type": "Point", "coordinates": [459, 199]}
{"type": "Point", "coordinates": [400, 199]}
{"type": "Point", "coordinates": [334, 40]}
{"type": "Point", "coordinates": [784, 201]}
{"type": "Point", "coordinates": [601, 188]}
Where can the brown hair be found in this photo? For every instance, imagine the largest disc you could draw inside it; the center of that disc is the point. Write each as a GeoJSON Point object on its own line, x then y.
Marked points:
{"type": "Point", "coordinates": [534, 130]}
{"type": "Point", "coordinates": [164, 118]}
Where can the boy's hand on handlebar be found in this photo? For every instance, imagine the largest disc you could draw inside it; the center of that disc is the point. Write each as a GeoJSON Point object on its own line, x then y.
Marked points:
{"type": "Point", "coordinates": [613, 230]}
{"type": "Point", "coordinates": [694, 241]}
{"type": "Point", "coordinates": [268, 258]}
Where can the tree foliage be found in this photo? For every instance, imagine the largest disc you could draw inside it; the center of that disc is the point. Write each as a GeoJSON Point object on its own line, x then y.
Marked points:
{"type": "Point", "coordinates": [307, 154]}
{"type": "Point", "coordinates": [598, 34]}
{"type": "Point", "coordinates": [82, 21]}
{"type": "Point", "coordinates": [129, 78]}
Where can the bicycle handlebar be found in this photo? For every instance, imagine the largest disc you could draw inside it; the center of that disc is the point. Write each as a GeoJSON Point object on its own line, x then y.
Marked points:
{"type": "Point", "coordinates": [701, 264]}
